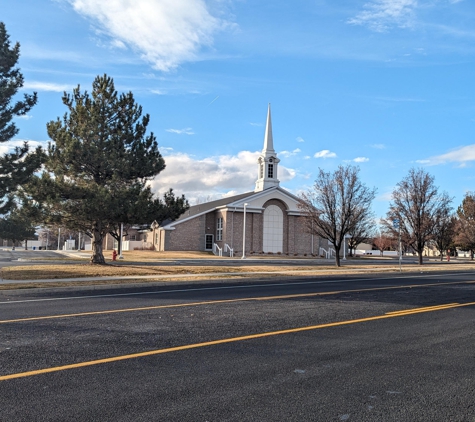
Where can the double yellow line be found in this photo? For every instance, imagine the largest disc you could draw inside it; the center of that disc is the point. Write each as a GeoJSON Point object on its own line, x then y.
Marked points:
{"type": "Point", "coordinates": [233, 340]}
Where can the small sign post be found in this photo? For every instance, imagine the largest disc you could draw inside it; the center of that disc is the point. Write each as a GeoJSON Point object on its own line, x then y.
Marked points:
{"type": "Point", "coordinates": [397, 227]}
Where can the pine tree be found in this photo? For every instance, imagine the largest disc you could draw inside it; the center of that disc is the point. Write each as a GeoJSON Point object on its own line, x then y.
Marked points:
{"type": "Point", "coordinates": [16, 226]}
{"type": "Point", "coordinates": [98, 164]}
{"type": "Point", "coordinates": [16, 167]}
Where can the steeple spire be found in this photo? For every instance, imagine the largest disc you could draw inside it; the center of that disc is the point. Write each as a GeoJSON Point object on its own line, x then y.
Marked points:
{"type": "Point", "coordinates": [267, 161]}
{"type": "Point", "coordinates": [268, 139]}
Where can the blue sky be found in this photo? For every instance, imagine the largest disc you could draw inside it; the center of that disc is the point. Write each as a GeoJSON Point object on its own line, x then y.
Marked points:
{"type": "Point", "coordinates": [384, 84]}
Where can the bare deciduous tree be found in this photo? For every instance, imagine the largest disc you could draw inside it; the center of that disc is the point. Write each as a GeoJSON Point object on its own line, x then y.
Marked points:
{"type": "Point", "coordinates": [383, 242]}
{"type": "Point", "coordinates": [444, 234]}
{"type": "Point", "coordinates": [363, 231]}
{"type": "Point", "coordinates": [465, 236]}
{"type": "Point", "coordinates": [419, 207]}
{"type": "Point", "coordinates": [336, 204]}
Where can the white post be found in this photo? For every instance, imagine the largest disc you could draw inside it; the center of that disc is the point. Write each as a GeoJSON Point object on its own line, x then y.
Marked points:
{"type": "Point", "coordinates": [79, 241]}
{"type": "Point", "coordinates": [120, 240]}
{"type": "Point", "coordinates": [59, 237]}
{"type": "Point", "coordinates": [400, 250]}
{"type": "Point", "coordinates": [244, 233]}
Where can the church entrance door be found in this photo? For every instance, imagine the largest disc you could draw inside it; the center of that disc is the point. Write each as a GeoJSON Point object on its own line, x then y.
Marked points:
{"type": "Point", "coordinates": [273, 229]}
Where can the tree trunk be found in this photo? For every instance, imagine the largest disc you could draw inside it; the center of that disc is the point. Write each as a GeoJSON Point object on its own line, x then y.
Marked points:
{"type": "Point", "coordinates": [337, 257]}
{"type": "Point", "coordinates": [419, 255]}
{"type": "Point", "coordinates": [97, 256]}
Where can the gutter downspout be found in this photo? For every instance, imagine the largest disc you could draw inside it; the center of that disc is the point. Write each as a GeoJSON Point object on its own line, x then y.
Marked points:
{"type": "Point", "coordinates": [232, 232]}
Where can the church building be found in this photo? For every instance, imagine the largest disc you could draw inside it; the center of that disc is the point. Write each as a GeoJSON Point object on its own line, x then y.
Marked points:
{"type": "Point", "coordinates": [273, 221]}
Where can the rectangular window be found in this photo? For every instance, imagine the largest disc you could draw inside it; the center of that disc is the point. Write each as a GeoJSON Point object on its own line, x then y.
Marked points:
{"type": "Point", "coordinates": [219, 229]}
{"type": "Point", "coordinates": [133, 237]}
{"type": "Point", "coordinates": [208, 242]}
{"type": "Point", "coordinates": [270, 171]}
{"type": "Point", "coordinates": [261, 172]}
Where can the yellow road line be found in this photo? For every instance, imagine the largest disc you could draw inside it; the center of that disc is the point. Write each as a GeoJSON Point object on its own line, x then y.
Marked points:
{"type": "Point", "coordinates": [222, 341]}
{"type": "Point", "coordinates": [428, 308]}
{"type": "Point", "coordinates": [213, 302]}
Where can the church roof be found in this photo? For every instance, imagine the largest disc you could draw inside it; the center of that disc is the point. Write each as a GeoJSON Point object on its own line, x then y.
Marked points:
{"type": "Point", "coordinates": [210, 206]}
{"type": "Point", "coordinates": [255, 199]}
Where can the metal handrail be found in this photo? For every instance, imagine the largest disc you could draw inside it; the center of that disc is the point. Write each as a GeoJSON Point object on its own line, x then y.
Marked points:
{"type": "Point", "coordinates": [217, 248]}
{"type": "Point", "coordinates": [325, 252]}
{"type": "Point", "coordinates": [231, 250]}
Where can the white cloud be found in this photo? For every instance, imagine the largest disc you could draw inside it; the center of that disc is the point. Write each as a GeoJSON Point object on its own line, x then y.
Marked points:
{"type": "Point", "coordinates": [325, 153]}
{"type": "Point", "coordinates": [212, 177]}
{"type": "Point", "coordinates": [386, 196]}
{"type": "Point", "coordinates": [299, 139]}
{"type": "Point", "coordinates": [9, 146]}
{"type": "Point", "coordinates": [460, 155]}
{"type": "Point", "coordinates": [290, 153]}
{"type": "Point", "coordinates": [185, 131]}
{"type": "Point", "coordinates": [255, 124]}
{"type": "Point", "coordinates": [48, 86]}
{"type": "Point", "coordinates": [165, 32]}
{"type": "Point", "coordinates": [361, 159]}
{"type": "Point", "coordinates": [24, 117]}
{"type": "Point", "coordinates": [380, 15]}
{"type": "Point", "coordinates": [118, 44]}
{"type": "Point", "coordinates": [378, 146]}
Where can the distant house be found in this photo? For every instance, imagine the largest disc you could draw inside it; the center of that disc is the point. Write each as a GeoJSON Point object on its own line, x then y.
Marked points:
{"type": "Point", "coordinates": [274, 222]}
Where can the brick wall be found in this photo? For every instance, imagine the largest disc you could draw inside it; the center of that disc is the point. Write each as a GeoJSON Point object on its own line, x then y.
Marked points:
{"type": "Point", "coordinates": [187, 236]}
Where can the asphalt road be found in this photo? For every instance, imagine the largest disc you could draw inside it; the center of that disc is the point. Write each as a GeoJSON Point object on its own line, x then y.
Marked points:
{"type": "Point", "coordinates": [366, 348]}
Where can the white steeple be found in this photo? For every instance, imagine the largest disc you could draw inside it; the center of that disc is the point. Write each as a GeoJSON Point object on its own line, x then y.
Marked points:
{"type": "Point", "coordinates": [267, 161]}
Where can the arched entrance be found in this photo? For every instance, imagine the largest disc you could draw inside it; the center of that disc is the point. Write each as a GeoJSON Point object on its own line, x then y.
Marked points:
{"type": "Point", "coordinates": [273, 240]}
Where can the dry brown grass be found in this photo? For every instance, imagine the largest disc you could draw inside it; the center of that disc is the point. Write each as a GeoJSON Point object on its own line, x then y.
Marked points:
{"type": "Point", "coordinates": [38, 272]}
{"type": "Point", "coordinates": [41, 272]}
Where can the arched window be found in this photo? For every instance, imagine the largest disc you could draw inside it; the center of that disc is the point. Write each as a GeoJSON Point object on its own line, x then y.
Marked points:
{"type": "Point", "coordinates": [273, 229]}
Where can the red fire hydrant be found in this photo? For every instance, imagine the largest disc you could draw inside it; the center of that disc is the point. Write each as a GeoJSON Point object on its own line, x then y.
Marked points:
{"type": "Point", "coordinates": [114, 255]}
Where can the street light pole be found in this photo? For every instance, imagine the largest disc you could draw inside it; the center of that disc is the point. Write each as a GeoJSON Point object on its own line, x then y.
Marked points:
{"type": "Point", "coordinates": [397, 226]}
{"type": "Point", "coordinates": [244, 233]}
{"type": "Point", "coordinates": [59, 237]}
